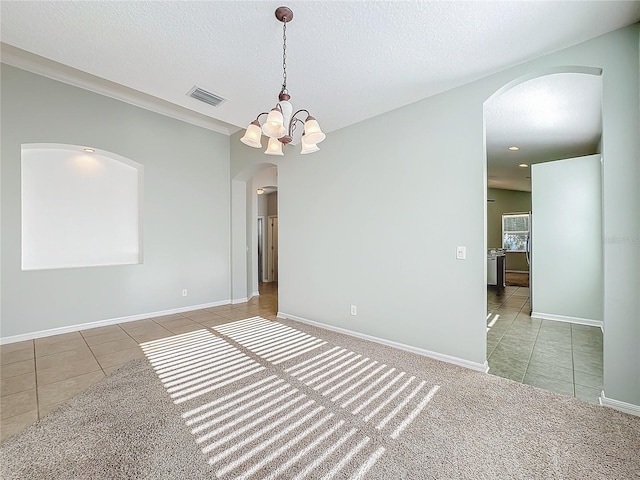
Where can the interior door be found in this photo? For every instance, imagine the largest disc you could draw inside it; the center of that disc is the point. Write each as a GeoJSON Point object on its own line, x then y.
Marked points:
{"type": "Point", "coordinates": [272, 249]}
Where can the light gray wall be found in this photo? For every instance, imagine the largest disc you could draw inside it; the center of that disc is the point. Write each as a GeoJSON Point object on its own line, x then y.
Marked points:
{"type": "Point", "coordinates": [185, 208]}
{"type": "Point", "coordinates": [343, 243]}
{"type": "Point", "coordinates": [366, 227]}
{"type": "Point", "coordinates": [566, 253]}
{"type": "Point", "coordinates": [239, 250]}
{"type": "Point", "coordinates": [618, 54]}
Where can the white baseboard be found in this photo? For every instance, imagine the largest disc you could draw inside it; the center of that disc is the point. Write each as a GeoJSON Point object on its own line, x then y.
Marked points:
{"type": "Point", "coordinates": [481, 367]}
{"type": "Point", "coordinates": [255, 294]}
{"type": "Point", "coordinates": [564, 318]}
{"type": "Point", "coordinates": [235, 301]}
{"type": "Point", "coordinates": [625, 407]}
{"type": "Point", "coordinates": [104, 323]}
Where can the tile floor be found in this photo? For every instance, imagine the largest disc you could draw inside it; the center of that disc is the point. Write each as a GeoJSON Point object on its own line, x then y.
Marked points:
{"type": "Point", "coordinates": [39, 375]}
{"type": "Point", "coordinates": [561, 357]}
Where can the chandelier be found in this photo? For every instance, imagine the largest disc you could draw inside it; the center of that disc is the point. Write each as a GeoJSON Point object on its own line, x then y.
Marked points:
{"type": "Point", "coordinates": [280, 124]}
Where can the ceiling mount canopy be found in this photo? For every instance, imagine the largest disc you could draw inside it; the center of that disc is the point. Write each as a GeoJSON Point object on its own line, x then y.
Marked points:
{"type": "Point", "coordinates": [284, 14]}
{"type": "Point", "coordinates": [280, 124]}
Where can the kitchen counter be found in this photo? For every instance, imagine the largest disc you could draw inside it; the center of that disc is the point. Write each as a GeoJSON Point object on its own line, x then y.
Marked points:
{"type": "Point", "coordinates": [496, 267]}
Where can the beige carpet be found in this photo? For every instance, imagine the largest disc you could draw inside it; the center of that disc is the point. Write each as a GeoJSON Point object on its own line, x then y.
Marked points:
{"type": "Point", "coordinates": [280, 400]}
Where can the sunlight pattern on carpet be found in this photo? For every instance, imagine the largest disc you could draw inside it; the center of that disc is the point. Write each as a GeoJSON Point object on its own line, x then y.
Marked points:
{"type": "Point", "coordinates": [196, 363]}
{"type": "Point", "coordinates": [272, 341]}
{"type": "Point", "coordinates": [367, 388]}
{"type": "Point", "coordinates": [255, 419]}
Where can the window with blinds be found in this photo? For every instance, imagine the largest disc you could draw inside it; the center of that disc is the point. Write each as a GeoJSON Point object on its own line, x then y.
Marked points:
{"type": "Point", "coordinates": [515, 231]}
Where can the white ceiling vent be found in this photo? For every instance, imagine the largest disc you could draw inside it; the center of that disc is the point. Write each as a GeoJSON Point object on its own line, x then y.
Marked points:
{"type": "Point", "coordinates": [206, 97]}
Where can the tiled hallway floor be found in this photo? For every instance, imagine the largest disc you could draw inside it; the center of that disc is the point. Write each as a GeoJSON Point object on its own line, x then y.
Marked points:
{"type": "Point", "coordinates": [39, 375]}
{"type": "Point", "coordinates": [561, 357]}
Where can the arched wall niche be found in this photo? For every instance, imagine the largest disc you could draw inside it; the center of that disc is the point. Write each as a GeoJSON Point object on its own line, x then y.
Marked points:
{"type": "Point", "coordinates": [81, 207]}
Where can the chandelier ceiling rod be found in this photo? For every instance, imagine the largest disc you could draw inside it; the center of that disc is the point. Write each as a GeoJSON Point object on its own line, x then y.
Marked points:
{"type": "Point", "coordinates": [280, 124]}
{"type": "Point", "coordinates": [285, 15]}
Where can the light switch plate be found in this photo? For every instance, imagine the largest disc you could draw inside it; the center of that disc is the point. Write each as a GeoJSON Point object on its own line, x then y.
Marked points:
{"type": "Point", "coordinates": [461, 253]}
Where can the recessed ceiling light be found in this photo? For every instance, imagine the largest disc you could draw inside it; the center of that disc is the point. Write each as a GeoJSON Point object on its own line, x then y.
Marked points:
{"type": "Point", "coordinates": [89, 150]}
{"type": "Point", "coordinates": [514, 149]}
{"type": "Point", "coordinates": [523, 165]}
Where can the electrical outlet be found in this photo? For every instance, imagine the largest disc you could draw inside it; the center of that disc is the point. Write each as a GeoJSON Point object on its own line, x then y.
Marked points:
{"type": "Point", "coordinates": [184, 292]}
{"type": "Point", "coordinates": [354, 310]}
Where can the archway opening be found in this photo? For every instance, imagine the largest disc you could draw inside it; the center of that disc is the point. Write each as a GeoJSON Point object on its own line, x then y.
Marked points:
{"type": "Point", "coordinates": [254, 217]}
{"type": "Point", "coordinates": [541, 132]}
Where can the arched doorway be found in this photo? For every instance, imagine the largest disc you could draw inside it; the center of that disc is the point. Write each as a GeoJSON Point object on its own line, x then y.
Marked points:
{"type": "Point", "coordinates": [534, 124]}
{"type": "Point", "coordinates": [251, 213]}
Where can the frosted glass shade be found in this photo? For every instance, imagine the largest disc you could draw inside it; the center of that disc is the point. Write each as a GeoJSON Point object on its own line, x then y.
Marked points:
{"type": "Point", "coordinates": [312, 131]}
{"type": "Point", "coordinates": [252, 136]}
{"type": "Point", "coordinates": [274, 147]}
{"type": "Point", "coordinates": [308, 147]}
{"type": "Point", "coordinates": [274, 126]}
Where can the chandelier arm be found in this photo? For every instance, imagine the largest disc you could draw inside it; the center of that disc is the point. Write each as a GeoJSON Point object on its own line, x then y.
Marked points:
{"type": "Point", "coordinates": [294, 123]}
{"type": "Point", "coordinates": [294, 119]}
{"type": "Point", "coordinates": [259, 115]}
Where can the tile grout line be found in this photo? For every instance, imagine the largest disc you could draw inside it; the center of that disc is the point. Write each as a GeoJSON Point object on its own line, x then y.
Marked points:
{"type": "Point", "coordinates": [511, 324]}
{"type": "Point", "coordinates": [35, 375]}
{"type": "Point", "coordinates": [64, 379]}
{"type": "Point", "coordinates": [92, 353]}
{"type": "Point", "coordinates": [33, 349]}
{"type": "Point", "coordinates": [571, 343]}
{"type": "Point", "coordinates": [508, 327]}
{"type": "Point", "coordinates": [532, 347]}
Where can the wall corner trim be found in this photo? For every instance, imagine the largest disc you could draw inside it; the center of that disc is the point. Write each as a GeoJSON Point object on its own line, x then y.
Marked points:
{"type": "Point", "coordinates": [461, 362]}
{"type": "Point", "coordinates": [563, 318]}
{"type": "Point", "coordinates": [624, 407]}
{"type": "Point", "coordinates": [104, 323]}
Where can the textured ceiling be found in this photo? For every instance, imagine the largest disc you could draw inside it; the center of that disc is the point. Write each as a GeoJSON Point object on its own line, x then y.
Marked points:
{"type": "Point", "coordinates": [548, 118]}
{"type": "Point", "coordinates": [347, 61]}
